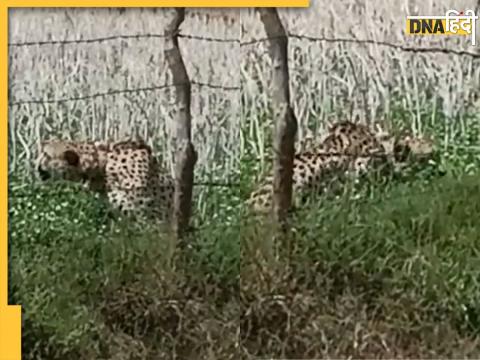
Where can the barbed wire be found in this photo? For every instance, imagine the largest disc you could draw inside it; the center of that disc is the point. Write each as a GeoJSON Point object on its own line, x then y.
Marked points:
{"type": "Point", "coordinates": [400, 47]}
{"type": "Point", "coordinates": [115, 92]}
{"type": "Point", "coordinates": [197, 37]}
{"type": "Point", "coordinates": [207, 38]}
{"type": "Point", "coordinates": [85, 41]}
{"type": "Point", "coordinates": [214, 86]}
{"type": "Point", "coordinates": [118, 37]}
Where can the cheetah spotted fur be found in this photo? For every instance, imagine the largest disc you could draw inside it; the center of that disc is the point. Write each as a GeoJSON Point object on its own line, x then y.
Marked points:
{"type": "Point", "coordinates": [348, 148]}
{"type": "Point", "coordinates": [126, 172]}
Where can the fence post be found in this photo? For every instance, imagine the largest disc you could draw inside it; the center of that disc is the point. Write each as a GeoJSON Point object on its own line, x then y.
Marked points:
{"type": "Point", "coordinates": [186, 155]}
{"type": "Point", "coordinates": [284, 117]}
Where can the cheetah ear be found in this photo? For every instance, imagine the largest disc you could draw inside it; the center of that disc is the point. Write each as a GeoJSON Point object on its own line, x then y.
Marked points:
{"type": "Point", "coordinates": [71, 157]}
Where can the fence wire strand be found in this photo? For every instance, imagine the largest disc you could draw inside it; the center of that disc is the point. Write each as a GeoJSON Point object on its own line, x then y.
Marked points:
{"type": "Point", "coordinates": [241, 43]}
{"type": "Point", "coordinates": [118, 37]}
{"type": "Point", "coordinates": [245, 43]}
{"type": "Point", "coordinates": [211, 39]}
{"type": "Point", "coordinates": [400, 47]}
{"type": "Point", "coordinates": [115, 92]}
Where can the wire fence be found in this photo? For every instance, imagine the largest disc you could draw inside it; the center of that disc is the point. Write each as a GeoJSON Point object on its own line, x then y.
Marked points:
{"type": "Point", "coordinates": [154, 88]}
{"type": "Point", "coordinates": [82, 95]}
{"type": "Point", "coordinates": [117, 92]}
{"type": "Point", "coordinates": [245, 43]}
{"type": "Point", "coordinates": [210, 39]}
{"type": "Point", "coordinates": [367, 81]}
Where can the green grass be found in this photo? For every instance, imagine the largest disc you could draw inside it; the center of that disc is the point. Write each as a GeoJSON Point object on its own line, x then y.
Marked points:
{"type": "Point", "coordinates": [386, 269]}
{"type": "Point", "coordinates": [68, 255]}
{"type": "Point", "coordinates": [406, 258]}
{"type": "Point", "coordinates": [393, 271]}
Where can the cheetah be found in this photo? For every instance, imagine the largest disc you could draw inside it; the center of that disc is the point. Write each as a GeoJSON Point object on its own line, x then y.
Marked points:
{"type": "Point", "coordinates": [348, 149]}
{"type": "Point", "coordinates": [126, 172]}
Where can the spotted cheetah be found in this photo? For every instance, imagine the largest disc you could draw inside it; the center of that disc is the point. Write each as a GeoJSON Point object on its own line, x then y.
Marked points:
{"type": "Point", "coordinates": [126, 172]}
{"type": "Point", "coordinates": [348, 149]}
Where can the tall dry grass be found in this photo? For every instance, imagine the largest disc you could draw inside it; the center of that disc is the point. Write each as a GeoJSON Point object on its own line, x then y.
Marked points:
{"type": "Point", "coordinates": [336, 79]}
{"type": "Point", "coordinates": [330, 80]}
{"type": "Point", "coordinates": [76, 70]}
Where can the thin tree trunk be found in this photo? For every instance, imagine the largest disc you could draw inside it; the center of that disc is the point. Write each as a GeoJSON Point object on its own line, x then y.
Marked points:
{"type": "Point", "coordinates": [186, 156]}
{"type": "Point", "coordinates": [285, 120]}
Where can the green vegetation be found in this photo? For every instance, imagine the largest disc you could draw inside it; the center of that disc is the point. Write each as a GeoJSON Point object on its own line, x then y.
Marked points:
{"type": "Point", "coordinates": [93, 287]}
{"type": "Point", "coordinates": [386, 269]}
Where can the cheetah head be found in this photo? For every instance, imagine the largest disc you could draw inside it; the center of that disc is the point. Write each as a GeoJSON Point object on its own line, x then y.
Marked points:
{"type": "Point", "coordinates": [405, 145]}
{"type": "Point", "coordinates": [58, 160]}
{"type": "Point", "coordinates": [411, 147]}
{"type": "Point", "coordinates": [71, 161]}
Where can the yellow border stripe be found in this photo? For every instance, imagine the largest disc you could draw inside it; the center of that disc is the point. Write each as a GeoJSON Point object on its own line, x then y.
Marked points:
{"type": "Point", "coordinates": [10, 316]}
{"type": "Point", "coordinates": [10, 333]}
{"type": "Point", "coordinates": [4, 157]}
{"type": "Point", "coordinates": [163, 3]}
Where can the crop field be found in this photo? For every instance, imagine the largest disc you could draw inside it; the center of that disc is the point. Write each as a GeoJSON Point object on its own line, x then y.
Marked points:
{"type": "Point", "coordinates": [386, 269]}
